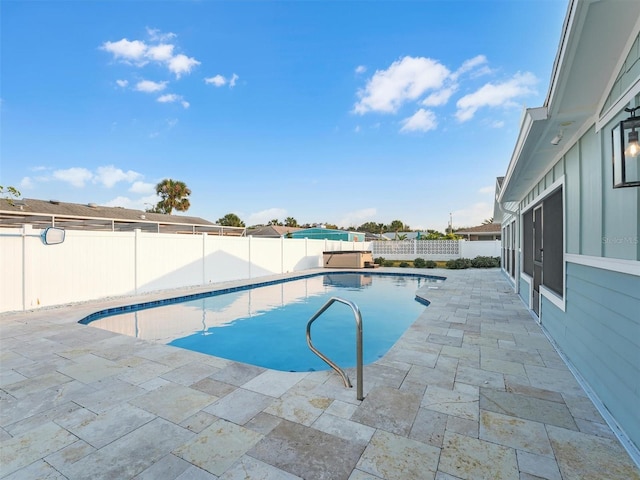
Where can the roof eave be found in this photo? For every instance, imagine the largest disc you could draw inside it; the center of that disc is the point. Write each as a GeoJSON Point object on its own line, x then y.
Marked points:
{"type": "Point", "coordinates": [533, 120]}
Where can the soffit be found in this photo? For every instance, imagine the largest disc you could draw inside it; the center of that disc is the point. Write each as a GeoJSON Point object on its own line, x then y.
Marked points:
{"type": "Point", "coordinates": [593, 41]}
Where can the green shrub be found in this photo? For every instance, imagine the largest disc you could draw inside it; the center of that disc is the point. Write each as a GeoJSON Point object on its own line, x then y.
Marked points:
{"type": "Point", "coordinates": [430, 264]}
{"type": "Point", "coordinates": [387, 263]}
{"type": "Point", "coordinates": [485, 262]}
{"type": "Point", "coordinates": [420, 263]}
{"type": "Point", "coordinates": [458, 263]}
{"type": "Point", "coordinates": [404, 264]}
{"type": "Point", "coordinates": [379, 261]}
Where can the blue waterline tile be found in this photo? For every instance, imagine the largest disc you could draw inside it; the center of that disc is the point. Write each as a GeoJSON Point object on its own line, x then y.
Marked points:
{"type": "Point", "coordinates": [196, 296]}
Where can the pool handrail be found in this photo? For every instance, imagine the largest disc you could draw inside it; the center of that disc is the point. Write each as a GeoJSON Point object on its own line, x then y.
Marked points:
{"type": "Point", "coordinates": [358, 318]}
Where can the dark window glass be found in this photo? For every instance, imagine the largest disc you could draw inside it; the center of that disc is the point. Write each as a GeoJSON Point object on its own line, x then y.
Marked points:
{"type": "Point", "coordinates": [527, 242]}
{"type": "Point", "coordinates": [553, 242]}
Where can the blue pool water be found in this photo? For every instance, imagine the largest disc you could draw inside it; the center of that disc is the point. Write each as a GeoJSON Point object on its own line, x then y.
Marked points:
{"type": "Point", "coordinates": [266, 325]}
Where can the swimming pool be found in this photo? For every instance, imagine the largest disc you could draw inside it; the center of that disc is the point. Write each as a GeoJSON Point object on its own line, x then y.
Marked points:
{"type": "Point", "coordinates": [265, 325]}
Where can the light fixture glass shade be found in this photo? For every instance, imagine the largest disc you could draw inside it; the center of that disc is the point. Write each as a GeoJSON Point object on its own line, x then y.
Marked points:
{"type": "Point", "coordinates": [625, 150]}
{"type": "Point", "coordinates": [633, 148]}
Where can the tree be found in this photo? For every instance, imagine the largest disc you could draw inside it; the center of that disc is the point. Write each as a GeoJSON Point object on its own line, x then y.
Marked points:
{"type": "Point", "coordinates": [487, 221]}
{"type": "Point", "coordinates": [174, 195]}
{"type": "Point", "coordinates": [230, 220]}
{"type": "Point", "coordinates": [9, 194]}
{"type": "Point", "coordinates": [396, 226]}
{"type": "Point", "coordinates": [370, 227]}
{"type": "Point", "coordinates": [433, 235]}
{"type": "Point", "coordinates": [275, 222]}
{"type": "Point", "coordinates": [290, 222]}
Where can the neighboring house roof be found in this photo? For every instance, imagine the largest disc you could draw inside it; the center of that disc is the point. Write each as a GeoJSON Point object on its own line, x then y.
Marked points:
{"type": "Point", "coordinates": [486, 229]}
{"type": "Point", "coordinates": [75, 216]}
{"type": "Point", "coordinates": [272, 231]}
{"type": "Point", "coordinates": [575, 95]}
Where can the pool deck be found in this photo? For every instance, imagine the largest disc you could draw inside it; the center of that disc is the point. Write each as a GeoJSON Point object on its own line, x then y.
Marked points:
{"type": "Point", "coordinates": [472, 390]}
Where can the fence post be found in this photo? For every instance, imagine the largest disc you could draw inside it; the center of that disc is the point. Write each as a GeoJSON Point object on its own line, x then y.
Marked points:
{"type": "Point", "coordinates": [204, 258]}
{"type": "Point", "coordinates": [26, 230]}
{"type": "Point", "coordinates": [249, 253]}
{"type": "Point", "coordinates": [136, 263]}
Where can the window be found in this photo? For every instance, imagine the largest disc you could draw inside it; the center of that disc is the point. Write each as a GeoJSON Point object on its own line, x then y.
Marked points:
{"type": "Point", "coordinates": [553, 242]}
{"type": "Point", "coordinates": [527, 242]}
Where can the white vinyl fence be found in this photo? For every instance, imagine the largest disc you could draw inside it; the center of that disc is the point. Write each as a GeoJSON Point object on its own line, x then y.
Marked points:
{"type": "Point", "coordinates": [434, 249]}
{"type": "Point", "coordinates": [91, 264]}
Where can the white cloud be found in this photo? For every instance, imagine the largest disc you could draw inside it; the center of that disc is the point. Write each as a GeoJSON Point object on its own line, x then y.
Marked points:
{"type": "Point", "coordinates": [221, 81]}
{"type": "Point", "coordinates": [139, 53]}
{"type": "Point", "coordinates": [487, 189]}
{"type": "Point", "coordinates": [441, 97]}
{"type": "Point", "coordinates": [149, 86]}
{"type": "Point", "coordinates": [217, 81]}
{"type": "Point", "coordinates": [168, 98]}
{"type": "Point", "coordinates": [496, 95]}
{"type": "Point", "coordinates": [142, 188]}
{"type": "Point", "coordinates": [76, 176]}
{"type": "Point", "coordinates": [172, 122]}
{"type": "Point", "coordinates": [122, 83]}
{"type": "Point", "coordinates": [473, 215]}
{"type": "Point", "coordinates": [421, 121]}
{"type": "Point", "coordinates": [110, 175]}
{"type": "Point", "coordinates": [26, 182]}
{"type": "Point", "coordinates": [182, 64]}
{"type": "Point", "coordinates": [361, 69]}
{"type": "Point", "coordinates": [124, 202]}
{"type": "Point", "coordinates": [471, 64]}
{"type": "Point", "coordinates": [405, 80]}
{"type": "Point", "coordinates": [132, 52]}
{"type": "Point", "coordinates": [155, 35]}
{"type": "Point", "coordinates": [160, 53]}
{"type": "Point", "coordinates": [265, 216]}
{"type": "Point", "coordinates": [358, 217]}
{"type": "Point", "coordinates": [171, 98]}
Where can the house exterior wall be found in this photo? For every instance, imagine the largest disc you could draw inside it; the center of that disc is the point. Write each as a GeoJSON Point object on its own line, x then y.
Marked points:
{"type": "Point", "coordinates": [596, 323]}
{"type": "Point", "coordinates": [600, 334]}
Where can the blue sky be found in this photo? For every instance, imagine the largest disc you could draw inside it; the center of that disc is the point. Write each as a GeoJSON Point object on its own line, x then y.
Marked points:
{"type": "Point", "coordinates": [340, 112]}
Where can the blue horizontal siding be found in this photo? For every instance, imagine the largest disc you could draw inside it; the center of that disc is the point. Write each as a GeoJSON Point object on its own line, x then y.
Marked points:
{"type": "Point", "coordinates": [599, 332]}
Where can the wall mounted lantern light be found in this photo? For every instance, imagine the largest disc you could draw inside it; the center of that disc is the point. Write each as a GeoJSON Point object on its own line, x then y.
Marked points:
{"type": "Point", "coordinates": [626, 151]}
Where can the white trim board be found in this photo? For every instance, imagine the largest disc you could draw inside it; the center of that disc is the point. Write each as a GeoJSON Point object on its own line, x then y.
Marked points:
{"type": "Point", "coordinates": [630, 267]}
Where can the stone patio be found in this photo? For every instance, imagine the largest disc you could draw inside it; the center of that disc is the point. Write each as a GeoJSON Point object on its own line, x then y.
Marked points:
{"type": "Point", "coordinates": [473, 390]}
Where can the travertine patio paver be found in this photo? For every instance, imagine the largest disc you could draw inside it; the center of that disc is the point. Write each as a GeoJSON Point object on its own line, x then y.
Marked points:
{"type": "Point", "coordinates": [472, 390]}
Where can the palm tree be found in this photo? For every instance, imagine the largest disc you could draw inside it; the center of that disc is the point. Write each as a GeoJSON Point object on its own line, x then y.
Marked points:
{"type": "Point", "coordinates": [290, 222]}
{"type": "Point", "coordinates": [174, 195]}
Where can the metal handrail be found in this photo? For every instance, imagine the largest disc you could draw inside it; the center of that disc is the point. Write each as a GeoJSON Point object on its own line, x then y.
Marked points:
{"type": "Point", "coordinates": [358, 317]}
